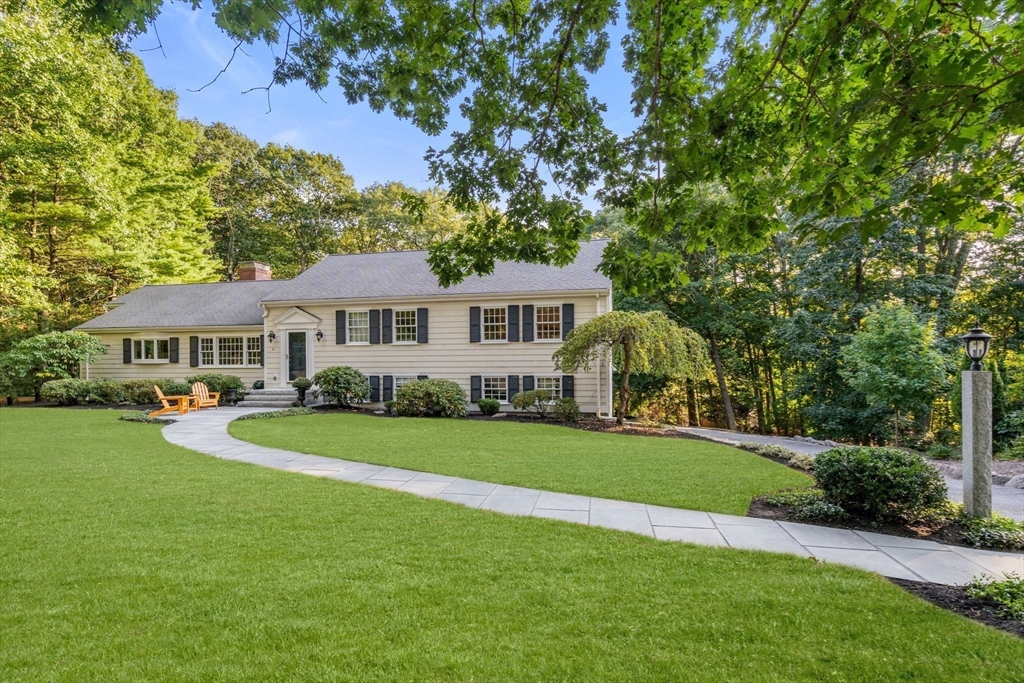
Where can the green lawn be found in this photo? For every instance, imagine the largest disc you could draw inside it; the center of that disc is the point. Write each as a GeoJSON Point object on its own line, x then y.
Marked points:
{"type": "Point", "coordinates": [123, 558]}
{"type": "Point", "coordinates": [685, 473]}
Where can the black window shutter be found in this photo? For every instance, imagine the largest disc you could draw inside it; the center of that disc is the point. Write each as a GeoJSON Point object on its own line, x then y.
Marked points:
{"type": "Point", "coordinates": [475, 385]}
{"type": "Point", "coordinates": [340, 322]}
{"type": "Point", "coordinates": [474, 324]}
{"type": "Point", "coordinates": [568, 318]}
{"type": "Point", "coordinates": [513, 323]}
{"type": "Point", "coordinates": [193, 351]}
{"type": "Point", "coordinates": [263, 342]}
{"type": "Point", "coordinates": [385, 323]}
{"type": "Point", "coordinates": [389, 387]}
{"type": "Point", "coordinates": [421, 326]}
{"type": "Point", "coordinates": [421, 377]}
{"type": "Point", "coordinates": [172, 350]}
{"type": "Point", "coordinates": [528, 323]}
{"type": "Point", "coordinates": [374, 388]}
{"type": "Point", "coordinates": [528, 384]}
{"type": "Point", "coordinates": [568, 386]}
{"type": "Point", "coordinates": [513, 386]}
{"type": "Point", "coordinates": [126, 348]}
{"type": "Point", "coordinates": [375, 326]}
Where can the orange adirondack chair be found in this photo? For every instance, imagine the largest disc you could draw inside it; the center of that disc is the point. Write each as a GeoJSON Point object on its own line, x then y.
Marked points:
{"type": "Point", "coordinates": [203, 397]}
{"type": "Point", "coordinates": [169, 404]}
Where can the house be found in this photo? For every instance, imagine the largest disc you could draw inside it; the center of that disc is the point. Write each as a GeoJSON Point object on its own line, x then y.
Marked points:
{"type": "Point", "coordinates": [382, 313]}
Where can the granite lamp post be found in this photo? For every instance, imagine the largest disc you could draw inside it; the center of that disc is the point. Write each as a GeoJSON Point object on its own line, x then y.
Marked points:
{"type": "Point", "coordinates": [976, 427]}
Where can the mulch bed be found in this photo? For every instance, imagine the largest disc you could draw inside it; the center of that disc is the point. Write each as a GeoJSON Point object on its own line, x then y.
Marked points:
{"type": "Point", "coordinates": [956, 599]}
{"type": "Point", "coordinates": [948, 534]}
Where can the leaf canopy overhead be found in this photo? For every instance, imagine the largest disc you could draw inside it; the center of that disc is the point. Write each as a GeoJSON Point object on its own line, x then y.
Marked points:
{"type": "Point", "coordinates": [812, 106]}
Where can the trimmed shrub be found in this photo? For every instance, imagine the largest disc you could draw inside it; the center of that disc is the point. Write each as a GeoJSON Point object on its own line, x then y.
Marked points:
{"type": "Point", "coordinates": [301, 383]}
{"type": "Point", "coordinates": [883, 483]}
{"type": "Point", "coordinates": [106, 391]}
{"type": "Point", "coordinates": [217, 383]}
{"type": "Point", "coordinates": [567, 409]}
{"type": "Point", "coordinates": [489, 406]}
{"type": "Point", "coordinates": [65, 392]}
{"type": "Point", "coordinates": [389, 407]}
{"type": "Point", "coordinates": [342, 385]}
{"type": "Point", "coordinates": [173, 388]}
{"type": "Point", "coordinates": [431, 398]}
{"type": "Point", "coordinates": [269, 414]}
{"type": "Point", "coordinates": [142, 416]}
{"type": "Point", "coordinates": [535, 401]}
{"type": "Point", "coordinates": [140, 390]}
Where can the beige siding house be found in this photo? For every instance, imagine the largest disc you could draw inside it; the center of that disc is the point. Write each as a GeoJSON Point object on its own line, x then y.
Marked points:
{"type": "Point", "coordinates": [383, 314]}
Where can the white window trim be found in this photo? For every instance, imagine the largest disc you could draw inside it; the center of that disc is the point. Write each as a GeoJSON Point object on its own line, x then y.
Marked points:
{"type": "Point", "coordinates": [558, 377]}
{"type": "Point", "coordinates": [483, 333]}
{"type": "Point", "coordinates": [536, 312]}
{"type": "Point", "coordinates": [154, 360]}
{"type": "Point", "coordinates": [495, 375]}
{"type": "Point", "coordinates": [348, 328]}
{"type": "Point", "coordinates": [216, 351]}
{"type": "Point", "coordinates": [394, 381]}
{"type": "Point", "coordinates": [415, 326]}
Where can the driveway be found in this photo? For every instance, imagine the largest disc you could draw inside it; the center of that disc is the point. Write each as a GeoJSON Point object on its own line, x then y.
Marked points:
{"type": "Point", "coordinates": [1005, 500]}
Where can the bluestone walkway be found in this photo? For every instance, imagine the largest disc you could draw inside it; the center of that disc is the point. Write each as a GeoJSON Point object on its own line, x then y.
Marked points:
{"type": "Point", "coordinates": [892, 556]}
{"type": "Point", "coordinates": [1006, 501]}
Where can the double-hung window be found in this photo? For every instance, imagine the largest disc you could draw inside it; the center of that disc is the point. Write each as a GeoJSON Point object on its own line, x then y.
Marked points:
{"type": "Point", "coordinates": [405, 327]}
{"type": "Point", "coordinates": [496, 388]}
{"type": "Point", "coordinates": [230, 351]}
{"type": "Point", "coordinates": [495, 324]}
{"type": "Point", "coordinates": [207, 355]}
{"type": "Point", "coordinates": [549, 323]}
{"type": "Point", "coordinates": [552, 384]}
{"type": "Point", "coordinates": [252, 350]}
{"type": "Point", "coordinates": [240, 351]}
{"type": "Point", "coordinates": [151, 350]}
{"type": "Point", "coordinates": [359, 327]}
{"type": "Point", "coordinates": [401, 381]}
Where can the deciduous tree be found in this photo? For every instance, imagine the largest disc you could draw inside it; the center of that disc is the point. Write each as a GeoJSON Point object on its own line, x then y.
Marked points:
{"type": "Point", "coordinates": [637, 342]}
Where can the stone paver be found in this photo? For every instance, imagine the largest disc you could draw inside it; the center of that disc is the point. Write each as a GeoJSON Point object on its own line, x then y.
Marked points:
{"type": "Point", "coordinates": [892, 556]}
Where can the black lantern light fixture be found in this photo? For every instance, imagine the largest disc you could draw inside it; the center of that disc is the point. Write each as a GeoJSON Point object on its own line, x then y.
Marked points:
{"type": "Point", "coordinates": [271, 337]}
{"type": "Point", "coordinates": [319, 335]}
{"type": "Point", "coordinates": [976, 344]}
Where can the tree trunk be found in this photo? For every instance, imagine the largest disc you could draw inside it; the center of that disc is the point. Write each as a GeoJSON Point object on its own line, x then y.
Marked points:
{"type": "Point", "coordinates": [627, 352]}
{"type": "Point", "coordinates": [730, 417]}
{"type": "Point", "coordinates": [691, 403]}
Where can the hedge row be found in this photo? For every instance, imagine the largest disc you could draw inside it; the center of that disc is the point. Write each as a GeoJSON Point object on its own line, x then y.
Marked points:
{"type": "Point", "coordinates": [69, 392]}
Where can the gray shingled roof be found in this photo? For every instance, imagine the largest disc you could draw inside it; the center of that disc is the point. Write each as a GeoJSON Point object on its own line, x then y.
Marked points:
{"type": "Point", "coordinates": [406, 273]}
{"type": "Point", "coordinates": [341, 276]}
{"type": "Point", "coordinates": [204, 305]}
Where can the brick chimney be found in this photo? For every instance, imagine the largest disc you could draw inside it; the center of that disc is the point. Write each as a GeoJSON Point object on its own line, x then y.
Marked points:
{"type": "Point", "coordinates": [253, 270]}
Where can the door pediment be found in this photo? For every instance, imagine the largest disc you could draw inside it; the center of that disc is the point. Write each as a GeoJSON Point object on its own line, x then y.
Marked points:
{"type": "Point", "coordinates": [295, 316]}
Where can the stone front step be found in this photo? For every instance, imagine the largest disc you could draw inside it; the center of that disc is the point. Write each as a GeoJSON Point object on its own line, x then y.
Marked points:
{"type": "Point", "coordinates": [266, 404]}
{"type": "Point", "coordinates": [272, 392]}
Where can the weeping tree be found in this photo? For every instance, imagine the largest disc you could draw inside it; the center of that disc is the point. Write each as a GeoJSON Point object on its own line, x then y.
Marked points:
{"type": "Point", "coordinates": [638, 342]}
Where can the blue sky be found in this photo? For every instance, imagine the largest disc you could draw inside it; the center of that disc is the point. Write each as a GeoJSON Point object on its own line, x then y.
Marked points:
{"type": "Point", "coordinates": [373, 147]}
